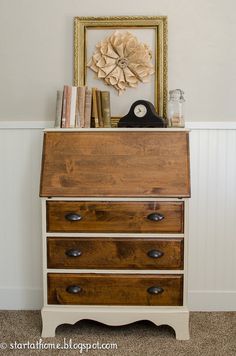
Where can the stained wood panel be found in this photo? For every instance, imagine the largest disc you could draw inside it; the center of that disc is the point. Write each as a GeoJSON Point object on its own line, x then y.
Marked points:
{"type": "Point", "coordinates": [118, 289]}
{"type": "Point", "coordinates": [115, 216]}
{"type": "Point", "coordinates": [114, 253]}
{"type": "Point", "coordinates": [115, 163]}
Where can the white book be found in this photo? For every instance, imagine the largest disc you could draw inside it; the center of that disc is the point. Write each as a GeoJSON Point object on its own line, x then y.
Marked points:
{"type": "Point", "coordinates": [73, 106]}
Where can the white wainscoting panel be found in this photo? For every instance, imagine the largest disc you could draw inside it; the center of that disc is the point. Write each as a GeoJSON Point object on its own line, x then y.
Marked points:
{"type": "Point", "coordinates": [212, 220]}
{"type": "Point", "coordinates": [20, 219]}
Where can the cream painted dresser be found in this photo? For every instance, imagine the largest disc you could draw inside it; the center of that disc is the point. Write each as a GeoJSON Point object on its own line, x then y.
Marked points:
{"type": "Point", "coordinates": [114, 205]}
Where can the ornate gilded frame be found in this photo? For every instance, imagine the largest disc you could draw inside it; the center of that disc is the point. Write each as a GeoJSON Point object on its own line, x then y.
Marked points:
{"type": "Point", "coordinates": [158, 23]}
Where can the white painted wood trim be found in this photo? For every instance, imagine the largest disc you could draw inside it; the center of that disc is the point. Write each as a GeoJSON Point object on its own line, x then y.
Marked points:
{"type": "Point", "coordinates": [116, 129]}
{"type": "Point", "coordinates": [211, 125]}
{"type": "Point", "coordinates": [186, 222]}
{"type": "Point", "coordinates": [192, 125]}
{"type": "Point", "coordinates": [115, 199]}
{"type": "Point", "coordinates": [117, 307]}
{"type": "Point", "coordinates": [114, 271]}
{"type": "Point", "coordinates": [178, 319]}
{"type": "Point", "coordinates": [44, 248]}
{"type": "Point", "coordinates": [114, 235]}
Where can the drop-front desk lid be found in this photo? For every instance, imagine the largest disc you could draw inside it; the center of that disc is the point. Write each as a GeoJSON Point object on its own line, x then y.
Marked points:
{"type": "Point", "coordinates": [115, 163]}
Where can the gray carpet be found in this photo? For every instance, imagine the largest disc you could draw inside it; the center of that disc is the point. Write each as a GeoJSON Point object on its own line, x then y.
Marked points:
{"type": "Point", "coordinates": [212, 334]}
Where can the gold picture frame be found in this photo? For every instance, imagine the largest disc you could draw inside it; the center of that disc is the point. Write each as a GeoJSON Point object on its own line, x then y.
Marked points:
{"type": "Point", "coordinates": [157, 24]}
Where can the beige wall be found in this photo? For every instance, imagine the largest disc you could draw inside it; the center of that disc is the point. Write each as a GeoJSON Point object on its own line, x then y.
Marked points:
{"type": "Point", "coordinates": [36, 52]}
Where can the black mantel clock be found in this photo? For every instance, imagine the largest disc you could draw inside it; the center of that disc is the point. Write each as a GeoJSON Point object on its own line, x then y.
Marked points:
{"type": "Point", "coordinates": [142, 114]}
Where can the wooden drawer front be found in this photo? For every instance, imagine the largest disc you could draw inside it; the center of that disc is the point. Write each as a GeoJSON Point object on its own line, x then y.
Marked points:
{"type": "Point", "coordinates": [118, 289]}
{"type": "Point", "coordinates": [115, 163]}
{"type": "Point", "coordinates": [107, 253]}
{"type": "Point", "coordinates": [114, 217]}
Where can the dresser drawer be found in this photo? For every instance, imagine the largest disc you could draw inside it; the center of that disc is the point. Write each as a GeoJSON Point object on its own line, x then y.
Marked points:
{"type": "Point", "coordinates": [115, 289]}
{"type": "Point", "coordinates": [133, 217]}
{"type": "Point", "coordinates": [114, 253]}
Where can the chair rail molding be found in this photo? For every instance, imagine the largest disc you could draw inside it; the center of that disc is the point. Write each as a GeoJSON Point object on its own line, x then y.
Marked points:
{"type": "Point", "coordinates": [193, 125]}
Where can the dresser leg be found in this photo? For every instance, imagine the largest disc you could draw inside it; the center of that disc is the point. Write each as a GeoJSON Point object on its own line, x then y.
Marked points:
{"type": "Point", "coordinates": [182, 332]}
{"type": "Point", "coordinates": [179, 321]}
{"type": "Point", "coordinates": [48, 324]}
{"type": "Point", "coordinates": [181, 328]}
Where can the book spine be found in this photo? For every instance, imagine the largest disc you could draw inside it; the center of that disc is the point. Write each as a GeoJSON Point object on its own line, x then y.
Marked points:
{"type": "Point", "coordinates": [95, 108]}
{"type": "Point", "coordinates": [81, 99]}
{"type": "Point", "coordinates": [73, 105]}
{"type": "Point", "coordinates": [77, 118]}
{"type": "Point", "coordinates": [58, 109]}
{"type": "Point", "coordinates": [106, 109]}
{"type": "Point", "coordinates": [68, 105]}
{"type": "Point", "coordinates": [63, 116]}
{"type": "Point", "coordinates": [99, 106]}
{"type": "Point", "coordinates": [88, 107]}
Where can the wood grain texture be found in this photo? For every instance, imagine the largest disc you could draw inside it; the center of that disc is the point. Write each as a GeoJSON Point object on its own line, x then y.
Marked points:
{"type": "Point", "coordinates": [115, 216]}
{"type": "Point", "coordinates": [118, 289]}
{"type": "Point", "coordinates": [114, 253]}
{"type": "Point", "coordinates": [115, 163]}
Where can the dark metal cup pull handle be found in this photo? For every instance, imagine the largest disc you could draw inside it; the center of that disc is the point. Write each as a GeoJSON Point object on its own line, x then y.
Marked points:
{"type": "Point", "coordinates": [73, 253]}
{"type": "Point", "coordinates": [155, 254]}
{"type": "Point", "coordinates": [155, 217]}
{"type": "Point", "coordinates": [155, 290]}
{"type": "Point", "coordinates": [73, 217]}
{"type": "Point", "coordinates": [74, 289]}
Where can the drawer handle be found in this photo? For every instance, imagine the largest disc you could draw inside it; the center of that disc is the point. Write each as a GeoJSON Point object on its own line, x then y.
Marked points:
{"type": "Point", "coordinates": [73, 253]}
{"type": "Point", "coordinates": [74, 289]}
{"type": "Point", "coordinates": [155, 290]}
{"type": "Point", "coordinates": [155, 254]}
{"type": "Point", "coordinates": [73, 217]}
{"type": "Point", "coordinates": [155, 217]}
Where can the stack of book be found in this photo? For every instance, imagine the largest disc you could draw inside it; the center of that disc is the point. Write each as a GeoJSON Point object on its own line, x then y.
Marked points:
{"type": "Point", "coordinates": [82, 107]}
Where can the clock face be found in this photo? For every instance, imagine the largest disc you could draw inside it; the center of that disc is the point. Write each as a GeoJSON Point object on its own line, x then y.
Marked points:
{"type": "Point", "coordinates": [140, 110]}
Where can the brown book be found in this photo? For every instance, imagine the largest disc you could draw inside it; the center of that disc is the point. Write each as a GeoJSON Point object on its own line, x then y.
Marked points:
{"type": "Point", "coordinates": [77, 119]}
{"type": "Point", "coordinates": [81, 104]}
{"type": "Point", "coordinates": [106, 108]}
{"type": "Point", "coordinates": [95, 108]}
{"type": "Point", "coordinates": [68, 105]}
{"type": "Point", "coordinates": [99, 106]}
{"type": "Point", "coordinates": [87, 108]}
{"type": "Point", "coordinates": [63, 115]}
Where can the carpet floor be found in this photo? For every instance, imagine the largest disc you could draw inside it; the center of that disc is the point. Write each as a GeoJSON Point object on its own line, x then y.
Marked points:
{"type": "Point", "coordinates": [212, 334]}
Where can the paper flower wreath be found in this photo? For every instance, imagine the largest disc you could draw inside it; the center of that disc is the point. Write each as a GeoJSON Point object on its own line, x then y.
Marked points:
{"type": "Point", "coordinates": [122, 61]}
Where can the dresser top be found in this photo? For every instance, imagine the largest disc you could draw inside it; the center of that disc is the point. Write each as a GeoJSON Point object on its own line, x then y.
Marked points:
{"type": "Point", "coordinates": [115, 129]}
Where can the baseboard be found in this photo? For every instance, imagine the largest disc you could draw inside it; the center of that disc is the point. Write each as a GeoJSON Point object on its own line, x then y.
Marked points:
{"type": "Point", "coordinates": [21, 298]}
{"type": "Point", "coordinates": [31, 299]}
{"type": "Point", "coordinates": [212, 300]}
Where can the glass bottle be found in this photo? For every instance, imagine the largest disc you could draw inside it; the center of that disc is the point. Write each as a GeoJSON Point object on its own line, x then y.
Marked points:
{"type": "Point", "coordinates": [176, 108]}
